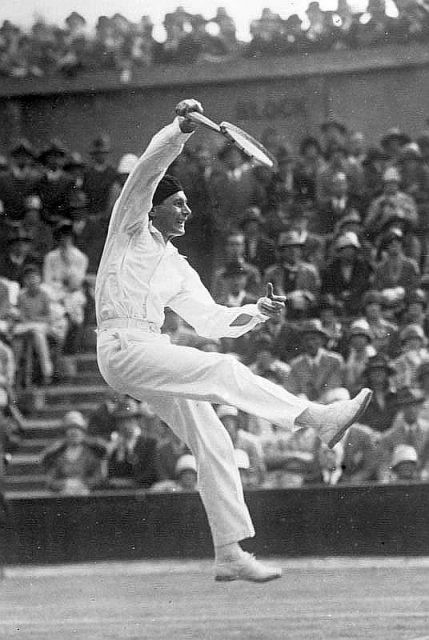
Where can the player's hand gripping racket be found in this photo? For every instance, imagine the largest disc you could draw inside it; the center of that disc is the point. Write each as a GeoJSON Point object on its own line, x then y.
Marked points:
{"type": "Point", "coordinates": [236, 136]}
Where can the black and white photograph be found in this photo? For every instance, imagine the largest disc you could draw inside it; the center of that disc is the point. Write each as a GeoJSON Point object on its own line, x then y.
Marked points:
{"type": "Point", "coordinates": [214, 320]}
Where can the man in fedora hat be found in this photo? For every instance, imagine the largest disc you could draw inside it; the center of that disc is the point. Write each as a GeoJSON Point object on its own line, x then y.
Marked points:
{"type": "Point", "coordinates": [378, 375]}
{"type": "Point", "coordinates": [55, 185]}
{"type": "Point", "coordinates": [133, 461]}
{"type": "Point", "coordinates": [291, 273]}
{"type": "Point", "coordinates": [19, 253]}
{"type": "Point", "coordinates": [317, 370]}
{"type": "Point", "coordinates": [140, 273]}
{"type": "Point", "coordinates": [19, 181]}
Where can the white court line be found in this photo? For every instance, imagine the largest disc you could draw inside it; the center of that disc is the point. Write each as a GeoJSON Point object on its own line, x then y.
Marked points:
{"type": "Point", "coordinates": [148, 567]}
{"type": "Point", "coordinates": [212, 619]}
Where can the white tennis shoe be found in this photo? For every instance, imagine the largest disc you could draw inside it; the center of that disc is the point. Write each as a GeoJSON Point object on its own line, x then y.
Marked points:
{"type": "Point", "coordinates": [333, 420]}
{"type": "Point", "coordinates": [245, 568]}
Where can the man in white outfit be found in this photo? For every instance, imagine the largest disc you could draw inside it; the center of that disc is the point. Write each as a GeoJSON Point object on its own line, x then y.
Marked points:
{"type": "Point", "coordinates": [140, 274]}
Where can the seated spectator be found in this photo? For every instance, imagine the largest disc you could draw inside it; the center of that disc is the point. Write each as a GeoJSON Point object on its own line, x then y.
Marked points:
{"type": "Point", "coordinates": [336, 206]}
{"type": "Point", "coordinates": [54, 187]}
{"type": "Point", "coordinates": [314, 245]}
{"type": "Point", "coordinates": [236, 292]}
{"type": "Point", "coordinates": [290, 273]}
{"type": "Point", "coordinates": [284, 334]}
{"type": "Point", "coordinates": [19, 182]}
{"type": "Point", "coordinates": [351, 178]}
{"type": "Point", "coordinates": [310, 164]}
{"type": "Point", "coordinates": [265, 360]}
{"type": "Point", "coordinates": [413, 352]}
{"type": "Point", "coordinates": [19, 253]}
{"type": "Point", "coordinates": [102, 422]}
{"type": "Point", "coordinates": [75, 465]}
{"type": "Point", "coordinates": [329, 310]}
{"type": "Point", "coordinates": [378, 376]}
{"type": "Point", "coordinates": [392, 142]}
{"type": "Point", "coordinates": [382, 331]}
{"type": "Point", "coordinates": [132, 461]}
{"type": "Point", "coordinates": [185, 477]}
{"type": "Point", "coordinates": [415, 309]}
{"type": "Point", "coordinates": [414, 176]}
{"type": "Point", "coordinates": [64, 272]}
{"type": "Point", "coordinates": [348, 275]}
{"type": "Point", "coordinates": [404, 465]}
{"type": "Point", "coordinates": [407, 429]}
{"type": "Point", "coordinates": [360, 349]}
{"type": "Point", "coordinates": [234, 252]}
{"type": "Point", "coordinates": [373, 166]}
{"type": "Point", "coordinates": [64, 263]}
{"type": "Point", "coordinates": [297, 462]}
{"type": "Point", "coordinates": [317, 370]}
{"type": "Point", "coordinates": [34, 323]}
{"type": "Point", "coordinates": [246, 442]}
{"type": "Point", "coordinates": [392, 205]}
{"type": "Point", "coordinates": [35, 228]}
{"type": "Point", "coordinates": [259, 249]}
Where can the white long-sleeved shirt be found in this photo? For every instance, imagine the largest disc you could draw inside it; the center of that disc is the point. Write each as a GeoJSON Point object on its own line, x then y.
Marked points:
{"type": "Point", "coordinates": [140, 274]}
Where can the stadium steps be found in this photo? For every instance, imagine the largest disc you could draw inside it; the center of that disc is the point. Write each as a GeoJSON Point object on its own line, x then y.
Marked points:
{"type": "Point", "coordinates": [24, 465]}
{"type": "Point", "coordinates": [44, 409]}
{"type": "Point", "coordinates": [24, 483]}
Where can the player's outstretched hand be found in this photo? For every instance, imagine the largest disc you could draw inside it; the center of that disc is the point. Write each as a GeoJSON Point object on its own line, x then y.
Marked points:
{"type": "Point", "coordinates": [182, 109]}
{"type": "Point", "coordinates": [271, 305]}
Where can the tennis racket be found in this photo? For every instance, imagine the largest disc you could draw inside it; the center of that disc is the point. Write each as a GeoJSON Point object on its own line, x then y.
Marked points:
{"type": "Point", "coordinates": [251, 147]}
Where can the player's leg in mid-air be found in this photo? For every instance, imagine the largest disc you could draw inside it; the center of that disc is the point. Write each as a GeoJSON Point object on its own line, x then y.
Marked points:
{"type": "Point", "coordinates": [180, 383]}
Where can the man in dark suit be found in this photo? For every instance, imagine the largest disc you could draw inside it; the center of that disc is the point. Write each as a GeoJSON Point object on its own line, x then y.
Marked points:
{"type": "Point", "coordinates": [19, 181]}
{"type": "Point", "coordinates": [55, 186]}
{"type": "Point", "coordinates": [259, 248]}
{"type": "Point", "coordinates": [317, 370]}
{"type": "Point", "coordinates": [133, 461]}
{"type": "Point", "coordinates": [338, 204]}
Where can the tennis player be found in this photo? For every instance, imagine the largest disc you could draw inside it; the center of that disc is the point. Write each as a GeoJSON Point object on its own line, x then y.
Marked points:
{"type": "Point", "coordinates": [140, 274]}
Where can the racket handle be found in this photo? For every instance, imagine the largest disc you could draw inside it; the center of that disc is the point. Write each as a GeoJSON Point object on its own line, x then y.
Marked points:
{"type": "Point", "coordinates": [195, 116]}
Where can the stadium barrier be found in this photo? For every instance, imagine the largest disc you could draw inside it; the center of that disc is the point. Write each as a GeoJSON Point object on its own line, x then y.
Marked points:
{"type": "Point", "coordinates": [364, 520]}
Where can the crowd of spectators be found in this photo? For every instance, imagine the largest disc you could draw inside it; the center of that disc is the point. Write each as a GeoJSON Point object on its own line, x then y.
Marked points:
{"type": "Point", "coordinates": [340, 228]}
{"type": "Point", "coordinates": [124, 46]}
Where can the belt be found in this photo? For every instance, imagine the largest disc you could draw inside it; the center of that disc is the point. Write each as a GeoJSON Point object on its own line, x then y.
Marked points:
{"type": "Point", "coordinates": [129, 323]}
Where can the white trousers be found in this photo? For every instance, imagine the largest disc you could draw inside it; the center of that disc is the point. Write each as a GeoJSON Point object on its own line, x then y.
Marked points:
{"type": "Point", "coordinates": [180, 383]}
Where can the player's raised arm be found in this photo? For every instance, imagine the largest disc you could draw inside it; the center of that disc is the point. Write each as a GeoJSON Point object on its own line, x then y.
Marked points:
{"type": "Point", "coordinates": [135, 201]}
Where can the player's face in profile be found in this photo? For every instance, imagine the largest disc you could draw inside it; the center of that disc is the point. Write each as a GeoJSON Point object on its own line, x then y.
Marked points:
{"type": "Point", "coordinates": [170, 216]}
